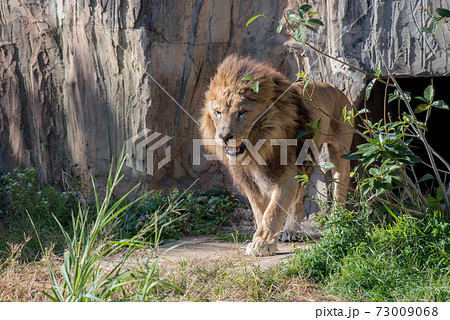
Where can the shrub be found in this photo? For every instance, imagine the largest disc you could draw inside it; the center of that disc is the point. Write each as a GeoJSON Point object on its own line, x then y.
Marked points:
{"type": "Point", "coordinates": [197, 212]}
{"type": "Point", "coordinates": [23, 197]}
{"type": "Point", "coordinates": [408, 259]}
{"type": "Point", "coordinates": [343, 232]}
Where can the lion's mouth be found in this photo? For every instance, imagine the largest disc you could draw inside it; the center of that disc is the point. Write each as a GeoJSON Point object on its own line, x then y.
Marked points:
{"type": "Point", "coordinates": [234, 151]}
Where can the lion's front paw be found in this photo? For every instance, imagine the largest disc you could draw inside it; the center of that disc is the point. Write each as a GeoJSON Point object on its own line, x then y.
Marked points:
{"type": "Point", "coordinates": [262, 246]}
{"type": "Point", "coordinates": [288, 236]}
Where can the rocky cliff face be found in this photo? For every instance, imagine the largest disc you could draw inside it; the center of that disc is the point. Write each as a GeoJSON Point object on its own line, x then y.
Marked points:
{"type": "Point", "coordinates": [78, 78]}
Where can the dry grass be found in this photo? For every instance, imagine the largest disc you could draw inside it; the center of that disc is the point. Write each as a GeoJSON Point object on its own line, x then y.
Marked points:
{"type": "Point", "coordinates": [236, 280]}
{"type": "Point", "coordinates": [224, 279]}
{"type": "Point", "coordinates": [25, 282]}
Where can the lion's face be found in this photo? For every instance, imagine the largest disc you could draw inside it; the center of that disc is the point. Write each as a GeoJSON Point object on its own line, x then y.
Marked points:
{"type": "Point", "coordinates": [233, 116]}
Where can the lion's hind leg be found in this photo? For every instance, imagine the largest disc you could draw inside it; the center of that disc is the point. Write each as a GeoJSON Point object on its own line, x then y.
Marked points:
{"type": "Point", "coordinates": [340, 173]}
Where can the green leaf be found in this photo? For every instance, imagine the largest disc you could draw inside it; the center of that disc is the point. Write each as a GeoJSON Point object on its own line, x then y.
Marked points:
{"type": "Point", "coordinates": [391, 212]}
{"type": "Point", "coordinates": [305, 8]}
{"type": "Point", "coordinates": [363, 110]}
{"type": "Point", "coordinates": [439, 195]}
{"type": "Point", "coordinates": [435, 27]}
{"type": "Point", "coordinates": [442, 12]}
{"type": "Point", "coordinates": [299, 34]}
{"type": "Point", "coordinates": [369, 88]}
{"type": "Point", "coordinates": [440, 104]}
{"type": "Point", "coordinates": [303, 176]}
{"type": "Point", "coordinates": [327, 165]}
{"type": "Point", "coordinates": [437, 19]}
{"type": "Point", "coordinates": [388, 180]}
{"type": "Point", "coordinates": [425, 29]}
{"type": "Point", "coordinates": [350, 156]}
{"type": "Point", "coordinates": [301, 134]}
{"type": "Point", "coordinates": [413, 159]}
{"type": "Point", "coordinates": [378, 69]}
{"type": "Point", "coordinates": [429, 93]}
{"type": "Point", "coordinates": [255, 86]}
{"type": "Point", "coordinates": [305, 86]}
{"type": "Point", "coordinates": [292, 17]}
{"type": "Point", "coordinates": [407, 95]}
{"type": "Point", "coordinates": [311, 14]}
{"type": "Point", "coordinates": [252, 19]}
{"type": "Point", "coordinates": [374, 171]}
{"type": "Point", "coordinates": [422, 99]}
{"type": "Point", "coordinates": [421, 108]}
{"type": "Point", "coordinates": [393, 96]}
{"type": "Point", "coordinates": [279, 28]}
{"type": "Point", "coordinates": [426, 177]}
{"type": "Point", "coordinates": [304, 179]}
{"type": "Point", "coordinates": [302, 74]}
{"type": "Point", "coordinates": [315, 22]}
{"type": "Point", "coordinates": [316, 125]}
{"type": "Point", "coordinates": [311, 28]}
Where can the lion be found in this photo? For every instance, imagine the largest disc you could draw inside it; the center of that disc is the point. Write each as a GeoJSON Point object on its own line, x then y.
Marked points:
{"type": "Point", "coordinates": [246, 126]}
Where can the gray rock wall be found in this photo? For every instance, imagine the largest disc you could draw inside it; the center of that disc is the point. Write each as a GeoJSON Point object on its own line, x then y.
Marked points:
{"type": "Point", "coordinates": [79, 78]}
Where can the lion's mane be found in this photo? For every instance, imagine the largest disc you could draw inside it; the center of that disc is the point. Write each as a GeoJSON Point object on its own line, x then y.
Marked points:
{"type": "Point", "coordinates": [284, 115]}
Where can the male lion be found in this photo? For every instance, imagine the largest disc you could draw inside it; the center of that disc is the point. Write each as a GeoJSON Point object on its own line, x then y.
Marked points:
{"type": "Point", "coordinates": [241, 121]}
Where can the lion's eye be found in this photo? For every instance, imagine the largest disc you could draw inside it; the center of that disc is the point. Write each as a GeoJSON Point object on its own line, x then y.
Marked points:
{"type": "Point", "coordinates": [218, 114]}
{"type": "Point", "coordinates": [241, 114]}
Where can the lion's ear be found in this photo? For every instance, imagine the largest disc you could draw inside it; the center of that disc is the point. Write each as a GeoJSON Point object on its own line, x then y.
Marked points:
{"type": "Point", "coordinates": [279, 66]}
{"type": "Point", "coordinates": [281, 84]}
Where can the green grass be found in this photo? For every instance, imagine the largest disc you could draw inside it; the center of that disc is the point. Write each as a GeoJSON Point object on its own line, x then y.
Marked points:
{"type": "Point", "coordinates": [94, 264]}
{"type": "Point", "coordinates": [406, 260]}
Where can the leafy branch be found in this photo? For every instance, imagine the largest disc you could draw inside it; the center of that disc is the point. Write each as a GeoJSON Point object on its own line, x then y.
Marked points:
{"type": "Point", "coordinates": [443, 15]}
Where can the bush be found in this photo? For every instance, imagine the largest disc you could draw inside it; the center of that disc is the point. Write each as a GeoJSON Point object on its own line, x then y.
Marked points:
{"type": "Point", "coordinates": [407, 259]}
{"type": "Point", "coordinates": [342, 234]}
{"type": "Point", "coordinates": [23, 197]}
{"type": "Point", "coordinates": [194, 212]}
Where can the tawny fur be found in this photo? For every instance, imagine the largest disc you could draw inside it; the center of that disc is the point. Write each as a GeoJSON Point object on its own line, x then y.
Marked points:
{"type": "Point", "coordinates": [278, 111]}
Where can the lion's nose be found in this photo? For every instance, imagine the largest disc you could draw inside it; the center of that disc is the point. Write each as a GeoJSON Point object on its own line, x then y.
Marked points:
{"type": "Point", "coordinates": [226, 137]}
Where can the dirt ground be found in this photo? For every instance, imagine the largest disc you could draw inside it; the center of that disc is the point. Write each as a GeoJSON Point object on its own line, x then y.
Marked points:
{"type": "Point", "coordinates": [210, 248]}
